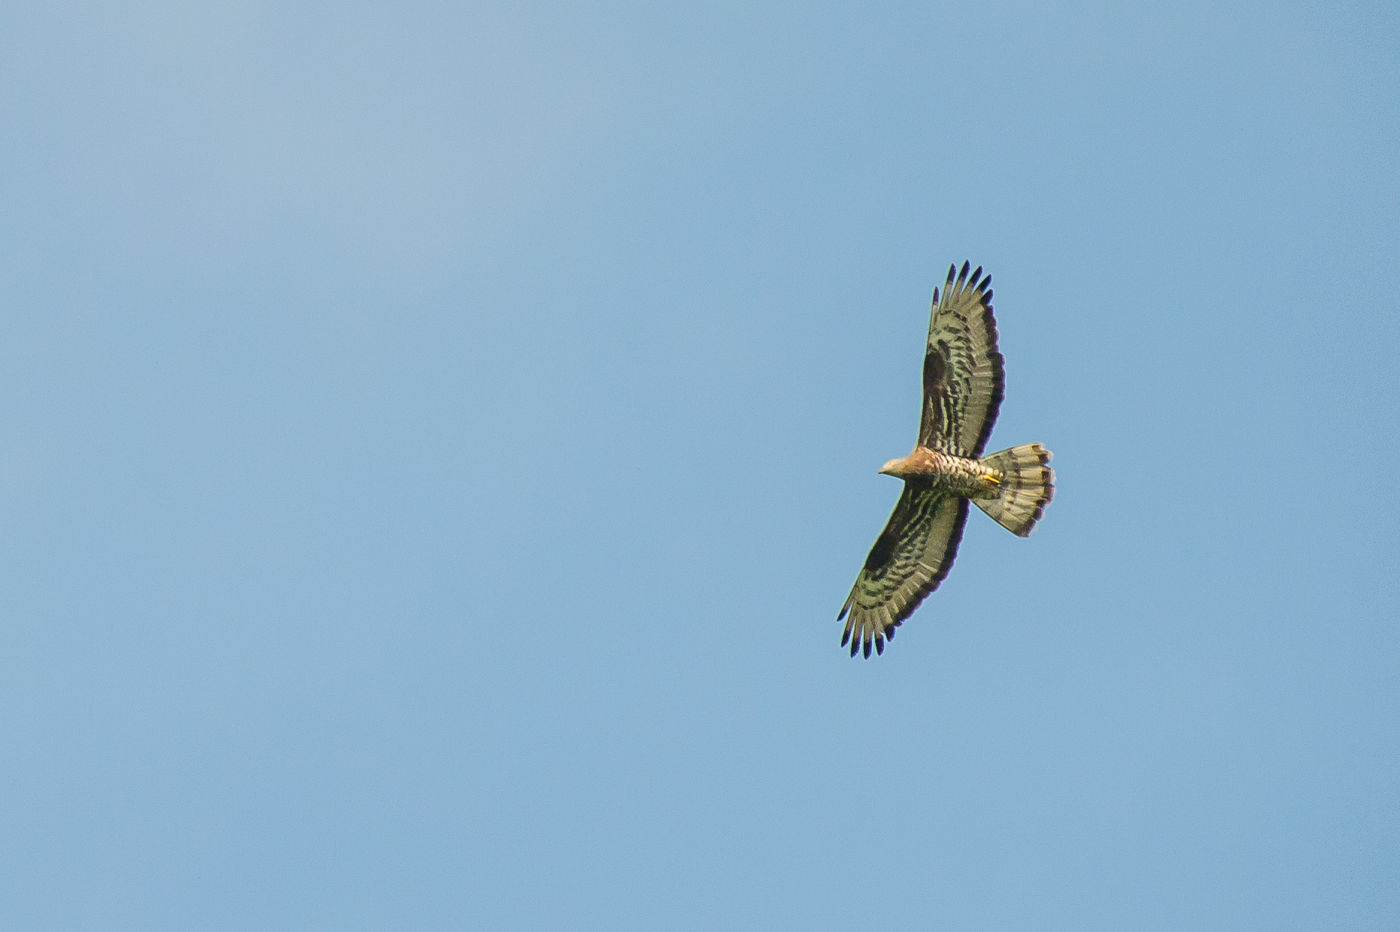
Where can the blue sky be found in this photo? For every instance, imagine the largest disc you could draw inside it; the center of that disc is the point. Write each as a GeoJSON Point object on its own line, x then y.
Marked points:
{"type": "Point", "coordinates": [440, 438]}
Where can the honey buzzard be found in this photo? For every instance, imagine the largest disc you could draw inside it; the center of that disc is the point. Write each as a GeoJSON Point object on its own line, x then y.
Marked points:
{"type": "Point", "coordinates": [963, 384]}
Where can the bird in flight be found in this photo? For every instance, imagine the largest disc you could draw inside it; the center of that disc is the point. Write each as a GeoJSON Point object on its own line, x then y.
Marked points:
{"type": "Point", "coordinates": [963, 386]}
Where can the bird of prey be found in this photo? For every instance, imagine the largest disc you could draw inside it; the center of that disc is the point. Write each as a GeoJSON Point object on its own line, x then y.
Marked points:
{"type": "Point", "coordinates": [963, 385]}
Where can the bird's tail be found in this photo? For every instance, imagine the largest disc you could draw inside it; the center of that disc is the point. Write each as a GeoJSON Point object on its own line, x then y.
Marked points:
{"type": "Point", "coordinates": [1027, 484]}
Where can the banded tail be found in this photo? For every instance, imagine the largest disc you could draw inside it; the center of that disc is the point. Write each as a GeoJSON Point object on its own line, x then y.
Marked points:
{"type": "Point", "coordinates": [1027, 486]}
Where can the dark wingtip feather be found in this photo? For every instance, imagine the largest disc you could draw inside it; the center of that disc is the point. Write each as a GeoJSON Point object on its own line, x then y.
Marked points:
{"type": "Point", "coordinates": [879, 645]}
{"type": "Point", "coordinates": [962, 275]}
{"type": "Point", "coordinates": [866, 650]}
{"type": "Point", "coordinates": [935, 294]}
{"type": "Point", "coordinates": [952, 271]}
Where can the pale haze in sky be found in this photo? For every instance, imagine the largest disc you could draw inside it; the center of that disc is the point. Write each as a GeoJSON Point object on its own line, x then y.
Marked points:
{"type": "Point", "coordinates": [440, 437]}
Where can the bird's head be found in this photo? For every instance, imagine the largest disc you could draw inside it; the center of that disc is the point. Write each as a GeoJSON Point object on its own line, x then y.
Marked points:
{"type": "Point", "coordinates": [893, 468]}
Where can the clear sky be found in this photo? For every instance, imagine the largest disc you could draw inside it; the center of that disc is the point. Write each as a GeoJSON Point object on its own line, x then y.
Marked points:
{"type": "Point", "coordinates": [439, 437]}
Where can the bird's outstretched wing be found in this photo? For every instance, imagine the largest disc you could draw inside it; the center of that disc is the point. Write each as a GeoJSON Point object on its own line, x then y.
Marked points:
{"type": "Point", "coordinates": [963, 377]}
{"type": "Point", "coordinates": [910, 558]}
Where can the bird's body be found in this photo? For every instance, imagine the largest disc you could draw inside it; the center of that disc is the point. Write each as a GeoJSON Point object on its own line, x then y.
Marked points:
{"type": "Point", "coordinates": [957, 475]}
{"type": "Point", "coordinates": [963, 387]}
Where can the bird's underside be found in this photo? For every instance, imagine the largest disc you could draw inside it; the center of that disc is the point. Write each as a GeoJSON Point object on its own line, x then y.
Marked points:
{"type": "Point", "coordinates": [963, 382]}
